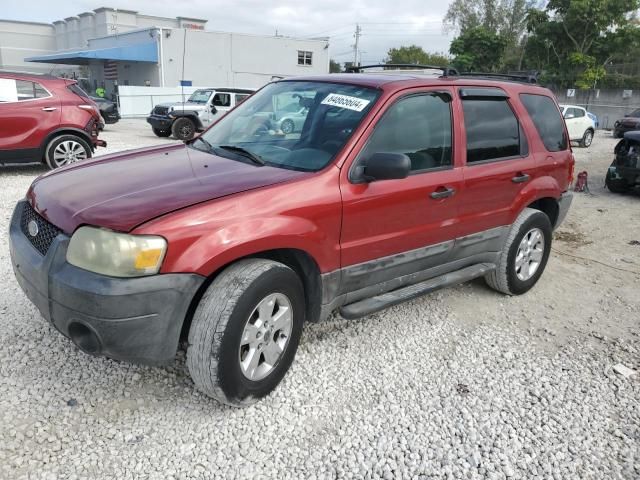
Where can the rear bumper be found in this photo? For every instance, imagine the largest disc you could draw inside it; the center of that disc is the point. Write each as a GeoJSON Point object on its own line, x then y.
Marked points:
{"type": "Point", "coordinates": [131, 319]}
{"type": "Point", "coordinates": [563, 207]}
{"type": "Point", "coordinates": [160, 122]}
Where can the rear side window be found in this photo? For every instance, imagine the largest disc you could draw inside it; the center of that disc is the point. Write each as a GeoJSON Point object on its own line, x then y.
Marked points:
{"type": "Point", "coordinates": [492, 129]}
{"type": "Point", "coordinates": [77, 90]}
{"type": "Point", "coordinates": [547, 119]}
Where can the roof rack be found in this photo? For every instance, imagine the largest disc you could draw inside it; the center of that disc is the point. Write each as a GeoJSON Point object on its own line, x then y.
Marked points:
{"type": "Point", "coordinates": [446, 71]}
{"type": "Point", "coordinates": [527, 78]}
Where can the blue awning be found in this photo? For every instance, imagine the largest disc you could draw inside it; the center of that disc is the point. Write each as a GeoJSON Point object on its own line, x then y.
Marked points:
{"type": "Point", "coordinates": [139, 52]}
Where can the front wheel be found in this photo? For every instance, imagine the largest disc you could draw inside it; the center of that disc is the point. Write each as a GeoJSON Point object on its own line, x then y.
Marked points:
{"type": "Point", "coordinates": [245, 331]}
{"type": "Point", "coordinates": [183, 129]}
{"type": "Point", "coordinates": [287, 126]}
{"type": "Point", "coordinates": [66, 149]}
{"type": "Point", "coordinates": [524, 255]}
{"type": "Point", "coordinates": [587, 138]}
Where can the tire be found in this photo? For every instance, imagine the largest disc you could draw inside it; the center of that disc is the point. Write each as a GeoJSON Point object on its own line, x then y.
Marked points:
{"type": "Point", "coordinates": [217, 356]}
{"type": "Point", "coordinates": [66, 149]}
{"type": "Point", "coordinates": [506, 277]}
{"type": "Point", "coordinates": [183, 128]}
{"type": "Point", "coordinates": [587, 138]}
{"type": "Point", "coordinates": [287, 126]}
{"type": "Point", "coordinates": [161, 133]}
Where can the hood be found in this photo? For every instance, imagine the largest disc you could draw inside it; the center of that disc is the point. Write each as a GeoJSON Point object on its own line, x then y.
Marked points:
{"type": "Point", "coordinates": [184, 106]}
{"type": "Point", "coordinates": [122, 191]}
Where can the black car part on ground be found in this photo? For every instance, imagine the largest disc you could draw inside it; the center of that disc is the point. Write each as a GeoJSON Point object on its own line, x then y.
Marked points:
{"type": "Point", "coordinates": [624, 172]}
{"type": "Point", "coordinates": [108, 109]}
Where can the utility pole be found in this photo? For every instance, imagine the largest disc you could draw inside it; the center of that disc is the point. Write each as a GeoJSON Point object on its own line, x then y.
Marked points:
{"type": "Point", "coordinates": [355, 46]}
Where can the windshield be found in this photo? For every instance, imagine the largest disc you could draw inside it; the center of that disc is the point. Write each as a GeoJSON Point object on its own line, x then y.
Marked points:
{"type": "Point", "coordinates": [200, 96]}
{"type": "Point", "coordinates": [292, 124]}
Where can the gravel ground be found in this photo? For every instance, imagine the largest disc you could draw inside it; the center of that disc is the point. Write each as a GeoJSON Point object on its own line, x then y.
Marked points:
{"type": "Point", "coordinates": [464, 383]}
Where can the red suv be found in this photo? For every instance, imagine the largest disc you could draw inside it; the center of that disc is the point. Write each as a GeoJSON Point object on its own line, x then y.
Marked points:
{"type": "Point", "coordinates": [46, 119]}
{"type": "Point", "coordinates": [394, 186]}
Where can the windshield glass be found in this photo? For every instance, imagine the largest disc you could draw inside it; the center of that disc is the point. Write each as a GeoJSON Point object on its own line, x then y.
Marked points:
{"type": "Point", "coordinates": [200, 96]}
{"type": "Point", "coordinates": [292, 124]}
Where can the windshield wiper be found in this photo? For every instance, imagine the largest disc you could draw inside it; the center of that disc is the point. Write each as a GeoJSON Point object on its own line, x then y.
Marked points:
{"type": "Point", "coordinates": [244, 152]}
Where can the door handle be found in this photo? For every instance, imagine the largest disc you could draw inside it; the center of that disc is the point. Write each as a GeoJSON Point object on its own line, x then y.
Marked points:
{"type": "Point", "coordinates": [443, 192]}
{"type": "Point", "coordinates": [49, 109]}
{"type": "Point", "coordinates": [520, 178]}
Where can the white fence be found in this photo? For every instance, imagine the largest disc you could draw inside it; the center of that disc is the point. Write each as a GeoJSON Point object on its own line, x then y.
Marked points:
{"type": "Point", "coordinates": [139, 101]}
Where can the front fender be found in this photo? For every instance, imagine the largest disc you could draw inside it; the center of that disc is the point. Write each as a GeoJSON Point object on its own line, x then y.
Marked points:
{"type": "Point", "coordinates": [207, 253]}
{"type": "Point", "coordinates": [540, 187]}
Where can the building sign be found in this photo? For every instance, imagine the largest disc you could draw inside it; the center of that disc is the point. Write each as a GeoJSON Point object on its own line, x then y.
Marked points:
{"type": "Point", "coordinates": [571, 92]}
{"type": "Point", "coordinates": [627, 93]}
{"type": "Point", "coordinates": [193, 26]}
{"type": "Point", "coordinates": [110, 70]}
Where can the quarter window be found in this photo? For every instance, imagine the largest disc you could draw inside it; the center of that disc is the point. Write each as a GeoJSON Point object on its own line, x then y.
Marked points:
{"type": "Point", "coordinates": [418, 126]}
{"type": "Point", "coordinates": [304, 57]}
{"type": "Point", "coordinates": [547, 119]}
{"type": "Point", "coordinates": [492, 130]}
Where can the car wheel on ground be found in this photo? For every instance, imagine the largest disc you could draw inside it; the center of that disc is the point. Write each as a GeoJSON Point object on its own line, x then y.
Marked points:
{"type": "Point", "coordinates": [616, 185]}
{"type": "Point", "coordinates": [524, 254]}
{"type": "Point", "coordinates": [587, 138]}
{"type": "Point", "coordinates": [161, 133]}
{"type": "Point", "coordinates": [66, 149]}
{"type": "Point", "coordinates": [287, 126]}
{"type": "Point", "coordinates": [183, 129]}
{"type": "Point", "coordinates": [245, 331]}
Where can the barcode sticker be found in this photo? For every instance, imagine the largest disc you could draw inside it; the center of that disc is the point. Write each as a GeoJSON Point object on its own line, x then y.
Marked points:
{"type": "Point", "coordinates": [345, 101]}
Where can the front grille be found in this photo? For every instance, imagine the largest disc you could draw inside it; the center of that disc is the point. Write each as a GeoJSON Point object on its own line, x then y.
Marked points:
{"type": "Point", "coordinates": [46, 232]}
{"type": "Point", "coordinates": [159, 110]}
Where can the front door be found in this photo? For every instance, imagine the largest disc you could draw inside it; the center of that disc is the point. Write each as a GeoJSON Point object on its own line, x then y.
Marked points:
{"type": "Point", "coordinates": [392, 228]}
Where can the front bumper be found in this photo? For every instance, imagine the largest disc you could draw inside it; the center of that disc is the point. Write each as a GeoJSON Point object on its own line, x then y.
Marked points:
{"type": "Point", "coordinates": [131, 319]}
{"type": "Point", "coordinates": [160, 122]}
{"type": "Point", "coordinates": [563, 207]}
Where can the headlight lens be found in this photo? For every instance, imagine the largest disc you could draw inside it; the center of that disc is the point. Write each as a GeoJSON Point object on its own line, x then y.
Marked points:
{"type": "Point", "coordinates": [116, 254]}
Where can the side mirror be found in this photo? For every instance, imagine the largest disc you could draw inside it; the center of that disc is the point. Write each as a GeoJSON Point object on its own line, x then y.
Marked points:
{"type": "Point", "coordinates": [382, 166]}
{"type": "Point", "coordinates": [214, 110]}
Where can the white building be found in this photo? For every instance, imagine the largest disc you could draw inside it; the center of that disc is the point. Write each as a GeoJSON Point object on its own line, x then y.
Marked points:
{"type": "Point", "coordinates": [122, 47]}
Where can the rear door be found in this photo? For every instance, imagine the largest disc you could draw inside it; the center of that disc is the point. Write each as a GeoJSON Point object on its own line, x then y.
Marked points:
{"type": "Point", "coordinates": [395, 227]}
{"type": "Point", "coordinates": [498, 163]}
{"type": "Point", "coordinates": [28, 112]}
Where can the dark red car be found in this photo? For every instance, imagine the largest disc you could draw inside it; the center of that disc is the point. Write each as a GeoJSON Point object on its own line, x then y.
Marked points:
{"type": "Point", "coordinates": [395, 186]}
{"type": "Point", "coordinates": [46, 119]}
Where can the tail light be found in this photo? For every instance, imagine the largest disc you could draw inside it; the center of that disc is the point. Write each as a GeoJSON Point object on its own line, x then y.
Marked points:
{"type": "Point", "coordinates": [90, 108]}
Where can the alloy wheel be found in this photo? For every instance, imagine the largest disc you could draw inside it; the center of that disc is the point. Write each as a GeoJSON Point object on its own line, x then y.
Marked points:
{"type": "Point", "coordinates": [529, 254]}
{"type": "Point", "coordinates": [68, 152]}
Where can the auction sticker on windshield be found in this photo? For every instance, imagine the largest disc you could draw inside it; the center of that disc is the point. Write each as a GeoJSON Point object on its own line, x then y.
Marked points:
{"type": "Point", "coordinates": [345, 101]}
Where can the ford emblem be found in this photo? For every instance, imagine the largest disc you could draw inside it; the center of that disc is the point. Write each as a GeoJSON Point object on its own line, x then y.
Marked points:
{"type": "Point", "coordinates": [33, 228]}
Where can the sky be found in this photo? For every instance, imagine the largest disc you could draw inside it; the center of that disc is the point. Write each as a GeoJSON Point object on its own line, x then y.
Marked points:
{"type": "Point", "coordinates": [384, 23]}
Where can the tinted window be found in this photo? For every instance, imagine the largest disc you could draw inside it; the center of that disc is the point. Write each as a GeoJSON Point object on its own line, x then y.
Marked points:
{"type": "Point", "coordinates": [547, 119]}
{"type": "Point", "coordinates": [492, 130]}
{"type": "Point", "coordinates": [222, 100]}
{"type": "Point", "coordinates": [418, 126]}
{"type": "Point", "coordinates": [75, 88]}
{"type": "Point", "coordinates": [240, 97]}
{"type": "Point", "coordinates": [39, 91]}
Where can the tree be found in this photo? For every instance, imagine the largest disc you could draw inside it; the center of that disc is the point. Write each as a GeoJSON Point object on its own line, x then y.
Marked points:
{"type": "Point", "coordinates": [334, 67]}
{"type": "Point", "coordinates": [574, 40]}
{"type": "Point", "coordinates": [478, 49]}
{"type": "Point", "coordinates": [415, 55]}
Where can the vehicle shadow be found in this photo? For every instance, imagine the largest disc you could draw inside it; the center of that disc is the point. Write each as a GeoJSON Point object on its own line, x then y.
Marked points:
{"type": "Point", "coordinates": [23, 169]}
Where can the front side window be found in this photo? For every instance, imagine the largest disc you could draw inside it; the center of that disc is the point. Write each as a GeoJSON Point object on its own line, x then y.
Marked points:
{"type": "Point", "coordinates": [418, 126]}
{"type": "Point", "coordinates": [200, 96]}
{"type": "Point", "coordinates": [547, 119]}
{"type": "Point", "coordinates": [304, 57]}
{"type": "Point", "coordinates": [222, 100]}
{"type": "Point", "coordinates": [492, 130]}
{"type": "Point", "coordinates": [298, 125]}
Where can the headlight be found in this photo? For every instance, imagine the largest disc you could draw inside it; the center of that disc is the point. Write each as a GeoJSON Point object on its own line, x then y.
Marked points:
{"type": "Point", "coordinates": [116, 254]}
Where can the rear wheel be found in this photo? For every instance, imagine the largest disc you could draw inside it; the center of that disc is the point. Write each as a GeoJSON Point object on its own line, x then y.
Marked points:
{"type": "Point", "coordinates": [183, 128]}
{"type": "Point", "coordinates": [616, 185]}
{"type": "Point", "coordinates": [161, 133]}
{"type": "Point", "coordinates": [245, 331]}
{"type": "Point", "coordinates": [524, 255]}
{"type": "Point", "coordinates": [587, 138]}
{"type": "Point", "coordinates": [66, 149]}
